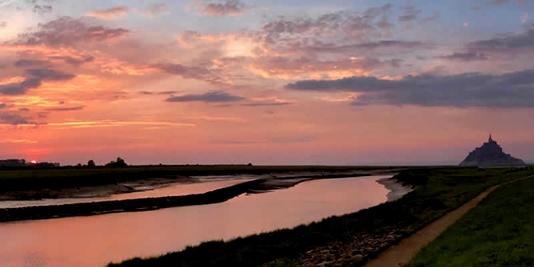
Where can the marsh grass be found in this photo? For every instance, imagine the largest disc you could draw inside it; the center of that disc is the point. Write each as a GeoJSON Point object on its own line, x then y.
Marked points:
{"type": "Point", "coordinates": [499, 232]}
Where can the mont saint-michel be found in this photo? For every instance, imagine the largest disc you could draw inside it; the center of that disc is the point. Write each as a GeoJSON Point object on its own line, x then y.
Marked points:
{"type": "Point", "coordinates": [490, 154]}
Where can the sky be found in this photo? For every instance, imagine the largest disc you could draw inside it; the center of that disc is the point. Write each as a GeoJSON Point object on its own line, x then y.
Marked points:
{"type": "Point", "coordinates": [269, 82]}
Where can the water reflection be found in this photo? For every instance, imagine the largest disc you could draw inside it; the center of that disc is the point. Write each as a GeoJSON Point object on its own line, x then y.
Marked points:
{"type": "Point", "coordinates": [97, 240]}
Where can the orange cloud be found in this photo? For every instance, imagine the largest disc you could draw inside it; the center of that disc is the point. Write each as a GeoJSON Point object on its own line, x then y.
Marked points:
{"type": "Point", "coordinates": [113, 123]}
{"type": "Point", "coordinates": [110, 13]}
{"type": "Point", "coordinates": [288, 68]}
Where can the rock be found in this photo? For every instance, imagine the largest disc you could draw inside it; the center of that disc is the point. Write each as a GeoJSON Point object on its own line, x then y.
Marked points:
{"type": "Point", "coordinates": [490, 154]}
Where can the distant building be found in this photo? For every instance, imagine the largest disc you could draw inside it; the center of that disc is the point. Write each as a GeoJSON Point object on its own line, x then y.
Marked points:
{"type": "Point", "coordinates": [13, 163]}
{"type": "Point", "coordinates": [490, 154]}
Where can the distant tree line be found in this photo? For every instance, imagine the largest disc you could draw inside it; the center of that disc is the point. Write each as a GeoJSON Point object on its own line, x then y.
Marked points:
{"type": "Point", "coordinates": [118, 163]}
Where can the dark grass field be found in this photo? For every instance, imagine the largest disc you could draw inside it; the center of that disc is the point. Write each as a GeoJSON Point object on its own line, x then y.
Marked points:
{"type": "Point", "coordinates": [499, 232]}
{"type": "Point", "coordinates": [438, 190]}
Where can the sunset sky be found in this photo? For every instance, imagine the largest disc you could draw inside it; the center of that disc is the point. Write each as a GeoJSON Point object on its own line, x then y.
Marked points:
{"type": "Point", "coordinates": [267, 82]}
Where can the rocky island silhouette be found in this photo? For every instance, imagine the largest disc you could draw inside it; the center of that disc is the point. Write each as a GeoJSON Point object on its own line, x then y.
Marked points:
{"type": "Point", "coordinates": [490, 154]}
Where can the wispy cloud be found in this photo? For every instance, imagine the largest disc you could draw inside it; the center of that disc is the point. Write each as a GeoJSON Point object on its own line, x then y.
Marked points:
{"type": "Point", "coordinates": [501, 2]}
{"type": "Point", "coordinates": [339, 25]}
{"type": "Point", "coordinates": [209, 97]}
{"type": "Point", "coordinates": [34, 79]}
{"type": "Point", "coordinates": [156, 9]}
{"type": "Point", "coordinates": [115, 123]}
{"type": "Point", "coordinates": [191, 72]}
{"type": "Point", "coordinates": [409, 13]}
{"type": "Point", "coordinates": [66, 108]}
{"type": "Point", "coordinates": [67, 31]}
{"type": "Point", "coordinates": [170, 92]}
{"type": "Point", "coordinates": [267, 102]}
{"type": "Point", "coordinates": [510, 43]}
{"type": "Point", "coordinates": [42, 9]}
{"type": "Point", "coordinates": [221, 8]}
{"type": "Point", "coordinates": [13, 118]}
{"type": "Point", "coordinates": [502, 47]}
{"type": "Point", "coordinates": [465, 56]}
{"type": "Point", "coordinates": [18, 141]}
{"type": "Point", "coordinates": [284, 67]}
{"type": "Point", "coordinates": [109, 13]}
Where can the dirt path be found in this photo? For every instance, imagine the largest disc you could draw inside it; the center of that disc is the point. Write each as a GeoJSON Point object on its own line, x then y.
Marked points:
{"type": "Point", "coordinates": [401, 253]}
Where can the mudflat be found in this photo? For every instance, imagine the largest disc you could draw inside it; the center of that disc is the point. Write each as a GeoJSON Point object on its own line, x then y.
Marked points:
{"type": "Point", "coordinates": [72, 182]}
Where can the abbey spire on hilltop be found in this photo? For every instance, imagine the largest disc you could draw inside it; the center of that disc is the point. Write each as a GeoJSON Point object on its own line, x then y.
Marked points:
{"type": "Point", "coordinates": [490, 154]}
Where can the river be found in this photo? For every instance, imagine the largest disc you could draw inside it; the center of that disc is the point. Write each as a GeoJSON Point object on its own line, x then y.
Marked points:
{"type": "Point", "coordinates": [98, 240]}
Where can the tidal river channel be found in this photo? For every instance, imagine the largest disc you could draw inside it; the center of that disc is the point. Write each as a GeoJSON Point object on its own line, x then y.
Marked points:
{"type": "Point", "coordinates": [97, 240]}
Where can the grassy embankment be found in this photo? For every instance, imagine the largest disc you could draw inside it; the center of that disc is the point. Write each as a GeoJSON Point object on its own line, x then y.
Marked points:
{"type": "Point", "coordinates": [499, 232]}
{"type": "Point", "coordinates": [350, 239]}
